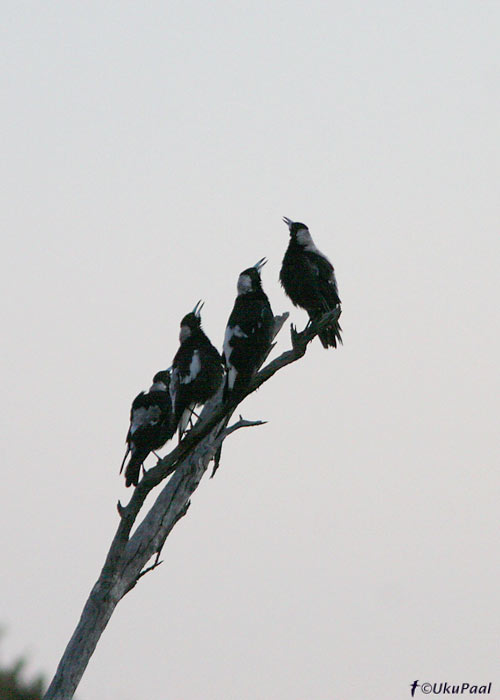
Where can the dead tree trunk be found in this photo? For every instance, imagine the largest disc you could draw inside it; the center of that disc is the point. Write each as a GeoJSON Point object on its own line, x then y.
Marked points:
{"type": "Point", "coordinates": [129, 555]}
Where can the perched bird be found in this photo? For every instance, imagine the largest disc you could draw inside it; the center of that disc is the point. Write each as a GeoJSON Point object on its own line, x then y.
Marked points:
{"type": "Point", "coordinates": [150, 425]}
{"type": "Point", "coordinates": [248, 331]}
{"type": "Point", "coordinates": [308, 278]}
{"type": "Point", "coordinates": [196, 370]}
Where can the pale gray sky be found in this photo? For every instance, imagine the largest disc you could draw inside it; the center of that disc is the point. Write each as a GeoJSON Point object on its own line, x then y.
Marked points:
{"type": "Point", "coordinates": [350, 546]}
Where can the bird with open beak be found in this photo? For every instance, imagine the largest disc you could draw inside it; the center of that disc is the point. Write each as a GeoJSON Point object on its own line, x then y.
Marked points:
{"type": "Point", "coordinates": [308, 278]}
{"type": "Point", "coordinates": [248, 331]}
{"type": "Point", "coordinates": [196, 370]}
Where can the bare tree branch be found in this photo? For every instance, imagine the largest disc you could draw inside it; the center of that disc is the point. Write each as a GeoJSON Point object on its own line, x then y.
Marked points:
{"type": "Point", "coordinates": [129, 554]}
{"type": "Point", "coordinates": [242, 423]}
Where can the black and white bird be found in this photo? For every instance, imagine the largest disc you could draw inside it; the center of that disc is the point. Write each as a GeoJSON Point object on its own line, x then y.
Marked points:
{"type": "Point", "coordinates": [150, 425]}
{"type": "Point", "coordinates": [249, 330]}
{"type": "Point", "coordinates": [308, 278]}
{"type": "Point", "coordinates": [196, 370]}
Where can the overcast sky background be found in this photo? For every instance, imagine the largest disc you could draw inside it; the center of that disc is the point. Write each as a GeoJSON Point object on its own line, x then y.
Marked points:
{"type": "Point", "coordinates": [349, 546]}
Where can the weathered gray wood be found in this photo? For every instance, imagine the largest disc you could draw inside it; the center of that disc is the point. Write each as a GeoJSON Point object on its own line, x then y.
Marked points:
{"type": "Point", "coordinates": [129, 555]}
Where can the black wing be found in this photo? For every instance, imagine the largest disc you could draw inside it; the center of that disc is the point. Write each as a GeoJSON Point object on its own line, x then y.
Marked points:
{"type": "Point", "coordinates": [247, 338]}
{"type": "Point", "coordinates": [324, 275]}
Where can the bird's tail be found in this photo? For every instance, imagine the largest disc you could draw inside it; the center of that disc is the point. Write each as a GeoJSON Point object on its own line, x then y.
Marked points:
{"type": "Point", "coordinates": [330, 335]}
{"type": "Point", "coordinates": [124, 459]}
{"type": "Point", "coordinates": [133, 468]}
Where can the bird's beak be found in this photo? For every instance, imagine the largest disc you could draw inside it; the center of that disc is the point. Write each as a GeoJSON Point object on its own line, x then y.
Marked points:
{"type": "Point", "coordinates": [287, 221]}
{"type": "Point", "coordinates": [197, 309]}
{"type": "Point", "coordinates": [259, 265]}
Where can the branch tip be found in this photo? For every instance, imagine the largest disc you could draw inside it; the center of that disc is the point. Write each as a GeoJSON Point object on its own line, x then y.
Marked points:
{"type": "Point", "coordinates": [150, 568]}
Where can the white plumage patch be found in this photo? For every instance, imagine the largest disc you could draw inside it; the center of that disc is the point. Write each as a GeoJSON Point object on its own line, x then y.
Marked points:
{"type": "Point", "coordinates": [232, 332]}
{"type": "Point", "coordinates": [226, 346]}
{"type": "Point", "coordinates": [174, 385]}
{"type": "Point", "coordinates": [158, 386]}
{"type": "Point", "coordinates": [183, 423]}
{"type": "Point", "coordinates": [142, 417]}
{"type": "Point", "coordinates": [244, 284]}
{"type": "Point", "coordinates": [184, 333]}
{"type": "Point", "coordinates": [304, 239]}
{"type": "Point", "coordinates": [239, 333]}
{"type": "Point", "coordinates": [231, 376]}
{"type": "Point", "coordinates": [194, 369]}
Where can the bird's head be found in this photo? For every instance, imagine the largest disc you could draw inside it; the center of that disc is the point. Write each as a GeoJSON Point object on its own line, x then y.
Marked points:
{"type": "Point", "coordinates": [191, 322]}
{"type": "Point", "coordinates": [161, 381]}
{"type": "Point", "coordinates": [298, 232]}
{"type": "Point", "coordinates": [249, 279]}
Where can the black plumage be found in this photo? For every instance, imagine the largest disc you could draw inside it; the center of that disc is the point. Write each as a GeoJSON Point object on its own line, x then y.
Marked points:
{"type": "Point", "coordinates": [150, 425]}
{"type": "Point", "coordinates": [196, 370]}
{"type": "Point", "coordinates": [249, 330]}
{"type": "Point", "coordinates": [308, 278]}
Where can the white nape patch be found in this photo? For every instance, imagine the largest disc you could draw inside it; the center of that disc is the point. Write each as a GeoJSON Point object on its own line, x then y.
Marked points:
{"type": "Point", "coordinates": [194, 369]}
{"type": "Point", "coordinates": [142, 417]}
{"type": "Point", "coordinates": [184, 333]}
{"type": "Point", "coordinates": [244, 284]}
{"type": "Point", "coordinates": [304, 239]}
{"type": "Point", "coordinates": [158, 386]}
